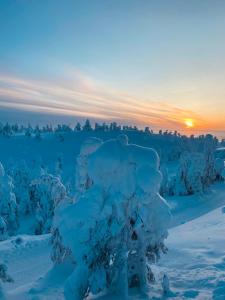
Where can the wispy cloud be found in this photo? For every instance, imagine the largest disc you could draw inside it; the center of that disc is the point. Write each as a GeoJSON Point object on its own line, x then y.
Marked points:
{"type": "Point", "coordinates": [81, 96]}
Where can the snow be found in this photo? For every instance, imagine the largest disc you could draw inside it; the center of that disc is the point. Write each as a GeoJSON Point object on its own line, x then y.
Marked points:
{"type": "Point", "coordinates": [188, 208]}
{"type": "Point", "coordinates": [118, 219]}
{"type": "Point", "coordinates": [27, 258]}
{"type": "Point", "coordinates": [193, 268]}
{"type": "Point", "coordinates": [194, 264]}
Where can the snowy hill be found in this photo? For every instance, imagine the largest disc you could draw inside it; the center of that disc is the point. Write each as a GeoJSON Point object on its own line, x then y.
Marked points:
{"type": "Point", "coordinates": [27, 258]}
{"type": "Point", "coordinates": [100, 194]}
{"type": "Point", "coordinates": [195, 263]}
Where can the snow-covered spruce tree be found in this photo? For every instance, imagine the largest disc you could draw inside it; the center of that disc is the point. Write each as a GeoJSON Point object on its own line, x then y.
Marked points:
{"type": "Point", "coordinates": [87, 126]}
{"type": "Point", "coordinates": [7, 130]}
{"type": "Point", "coordinates": [59, 166]}
{"type": "Point", "coordinates": [164, 188]}
{"type": "Point", "coordinates": [21, 181]}
{"type": "Point", "coordinates": [189, 179]}
{"type": "Point", "coordinates": [209, 149]}
{"type": "Point", "coordinates": [219, 166]}
{"type": "Point", "coordinates": [83, 181]}
{"type": "Point", "coordinates": [45, 194]}
{"type": "Point", "coordinates": [3, 229]}
{"type": "Point", "coordinates": [37, 168]}
{"type": "Point", "coordinates": [28, 131]}
{"type": "Point", "coordinates": [4, 277]}
{"type": "Point", "coordinates": [77, 127]}
{"type": "Point", "coordinates": [8, 205]}
{"type": "Point", "coordinates": [37, 132]}
{"type": "Point", "coordinates": [60, 253]}
{"type": "Point", "coordinates": [22, 176]}
{"type": "Point", "coordinates": [117, 226]}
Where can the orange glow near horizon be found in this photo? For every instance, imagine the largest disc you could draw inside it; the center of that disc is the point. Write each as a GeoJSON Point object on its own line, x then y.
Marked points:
{"type": "Point", "coordinates": [99, 102]}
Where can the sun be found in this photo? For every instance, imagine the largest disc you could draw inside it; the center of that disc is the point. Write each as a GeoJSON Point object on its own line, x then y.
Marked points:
{"type": "Point", "coordinates": [189, 123]}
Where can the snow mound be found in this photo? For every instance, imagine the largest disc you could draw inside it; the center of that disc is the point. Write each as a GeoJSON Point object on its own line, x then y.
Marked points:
{"type": "Point", "coordinates": [119, 222]}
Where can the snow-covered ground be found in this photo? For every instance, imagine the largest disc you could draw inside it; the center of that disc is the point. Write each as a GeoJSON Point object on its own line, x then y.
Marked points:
{"type": "Point", "coordinates": [39, 173]}
{"type": "Point", "coordinates": [28, 259]}
{"type": "Point", "coordinates": [195, 263]}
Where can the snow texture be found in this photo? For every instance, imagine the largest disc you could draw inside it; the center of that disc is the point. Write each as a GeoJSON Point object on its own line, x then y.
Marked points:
{"type": "Point", "coordinates": [118, 224]}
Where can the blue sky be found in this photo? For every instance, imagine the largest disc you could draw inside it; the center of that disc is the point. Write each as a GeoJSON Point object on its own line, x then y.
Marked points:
{"type": "Point", "coordinates": [138, 62]}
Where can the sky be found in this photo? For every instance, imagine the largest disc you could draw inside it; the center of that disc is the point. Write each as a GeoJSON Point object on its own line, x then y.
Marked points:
{"type": "Point", "coordinates": [141, 62]}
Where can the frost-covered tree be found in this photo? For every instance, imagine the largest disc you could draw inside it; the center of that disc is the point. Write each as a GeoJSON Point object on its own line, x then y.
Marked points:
{"type": "Point", "coordinates": [77, 127]}
{"type": "Point", "coordinates": [82, 179]}
{"type": "Point", "coordinates": [114, 126]}
{"type": "Point", "coordinates": [60, 254]}
{"type": "Point", "coordinates": [164, 189]}
{"type": "Point", "coordinates": [4, 277]}
{"type": "Point", "coordinates": [219, 166]}
{"type": "Point", "coordinates": [209, 149]}
{"type": "Point", "coordinates": [59, 166]}
{"type": "Point", "coordinates": [21, 177]}
{"type": "Point", "coordinates": [63, 128]}
{"type": "Point", "coordinates": [165, 285]}
{"type": "Point", "coordinates": [87, 126]}
{"type": "Point", "coordinates": [15, 128]}
{"type": "Point", "coordinates": [37, 132]}
{"type": "Point", "coordinates": [117, 226]}
{"type": "Point", "coordinates": [7, 130]}
{"type": "Point", "coordinates": [8, 205]}
{"type": "Point", "coordinates": [3, 229]}
{"type": "Point", "coordinates": [147, 130]}
{"type": "Point", "coordinates": [45, 193]}
{"type": "Point", "coordinates": [28, 131]}
{"type": "Point", "coordinates": [198, 167]}
{"type": "Point", "coordinates": [189, 178]}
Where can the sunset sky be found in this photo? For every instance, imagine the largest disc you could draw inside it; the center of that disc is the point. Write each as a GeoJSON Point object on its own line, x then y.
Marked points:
{"type": "Point", "coordinates": [143, 62]}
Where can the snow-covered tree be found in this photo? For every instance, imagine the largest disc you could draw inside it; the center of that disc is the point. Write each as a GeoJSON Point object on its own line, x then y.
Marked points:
{"type": "Point", "coordinates": [28, 131]}
{"type": "Point", "coordinates": [45, 193]}
{"type": "Point", "coordinates": [7, 130]}
{"type": "Point", "coordinates": [8, 205]}
{"type": "Point", "coordinates": [164, 189]}
{"type": "Point", "coordinates": [21, 180]}
{"type": "Point", "coordinates": [165, 285]}
{"type": "Point", "coordinates": [117, 226]}
{"type": "Point", "coordinates": [114, 127]}
{"type": "Point", "coordinates": [63, 128]}
{"type": "Point", "coordinates": [189, 179]}
{"type": "Point", "coordinates": [4, 277]}
{"type": "Point", "coordinates": [15, 128]}
{"type": "Point", "coordinates": [37, 132]}
{"type": "Point", "coordinates": [82, 179]}
{"type": "Point", "coordinates": [59, 166]}
{"type": "Point", "coordinates": [3, 229]}
{"type": "Point", "coordinates": [77, 127]}
{"type": "Point", "coordinates": [59, 254]}
{"type": "Point", "coordinates": [147, 130]}
{"type": "Point", "coordinates": [87, 126]}
{"type": "Point", "coordinates": [209, 149]}
{"type": "Point", "coordinates": [219, 166]}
